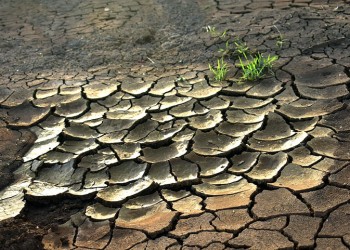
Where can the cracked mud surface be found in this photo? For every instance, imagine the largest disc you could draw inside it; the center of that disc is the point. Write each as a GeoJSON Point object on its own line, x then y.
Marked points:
{"type": "Point", "coordinates": [103, 147]}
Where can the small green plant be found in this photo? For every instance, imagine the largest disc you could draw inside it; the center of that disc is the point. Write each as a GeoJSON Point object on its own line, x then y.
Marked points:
{"type": "Point", "coordinates": [256, 67]}
{"type": "Point", "coordinates": [237, 46]}
{"type": "Point", "coordinates": [280, 38]}
{"type": "Point", "coordinates": [220, 71]}
{"type": "Point", "coordinates": [227, 50]}
{"type": "Point", "coordinates": [213, 33]}
{"type": "Point", "coordinates": [211, 30]}
{"type": "Point", "coordinates": [241, 48]}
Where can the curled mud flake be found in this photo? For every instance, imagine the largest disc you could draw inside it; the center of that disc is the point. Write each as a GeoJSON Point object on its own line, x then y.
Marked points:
{"type": "Point", "coordinates": [53, 157]}
{"type": "Point", "coordinates": [127, 151]}
{"type": "Point", "coordinates": [264, 110]}
{"type": "Point", "coordinates": [52, 101]}
{"type": "Point", "coordinates": [238, 186]}
{"type": "Point", "coordinates": [69, 90]}
{"type": "Point", "coordinates": [231, 219]}
{"type": "Point", "coordinates": [299, 178]}
{"type": "Point", "coordinates": [163, 86]}
{"type": "Point", "coordinates": [187, 109]}
{"type": "Point", "coordinates": [215, 103]}
{"type": "Point", "coordinates": [208, 165]}
{"type": "Point", "coordinates": [236, 88]}
{"type": "Point", "coordinates": [44, 189]}
{"type": "Point", "coordinates": [143, 201]}
{"type": "Point", "coordinates": [222, 179]}
{"type": "Point", "coordinates": [268, 166]}
{"type": "Point", "coordinates": [113, 137]}
{"type": "Point", "coordinates": [207, 121]}
{"type": "Point", "coordinates": [325, 93]}
{"type": "Point", "coordinates": [47, 133]}
{"type": "Point", "coordinates": [305, 125]}
{"type": "Point", "coordinates": [184, 170]}
{"type": "Point", "coordinates": [95, 91]}
{"type": "Point", "coordinates": [339, 121]}
{"type": "Point", "coordinates": [98, 161]}
{"type": "Point", "coordinates": [303, 157]}
{"type": "Point", "coordinates": [12, 206]}
{"type": "Point", "coordinates": [154, 155]}
{"type": "Point", "coordinates": [40, 148]}
{"type": "Point", "coordinates": [17, 97]}
{"type": "Point", "coordinates": [153, 219]}
{"type": "Point", "coordinates": [71, 109]}
{"type": "Point", "coordinates": [172, 101]}
{"type": "Point", "coordinates": [330, 147]}
{"type": "Point", "coordinates": [243, 162]}
{"type": "Point", "coordinates": [99, 212]}
{"type": "Point", "coordinates": [261, 239]}
{"type": "Point", "coordinates": [184, 135]}
{"type": "Point", "coordinates": [278, 202]}
{"type": "Point", "coordinates": [80, 131]}
{"type": "Point", "coordinates": [61, 175]}
{"type": "Point", "coordinates": [211, 143]}
{"type": "Point", "coordinates": [246, 103]}
{"type": "Point", "coordinates": [237, 129]}
{"type": "Point", "coordinates": [146, 102]}
{"type": "Point", "coordinates": [165, 131]}
{"type": "Point", "coordinates": [5, 93]}
{"type": "Point", "coordinates": [276, 128]}
{"type": "Point", "coordinates": [319, 131]}
{"type": "Point", "coordinates": [111, 125]}
{"type": "Point", "coordinates": [277, 145]}
{"type": "Point", "coordinates": [96, 180]}
{"type": "Point", "coordinates": [200, 90]}
{"type": "Point", "coordinates": [78, 147]}
{"type": "Point", "coordinates": [126, 172]}
{"type": "Point", "coordinates": [135, 86]}
{"type": "Point", "coordinates": [287, 95]}
{"type": "Point", "coordinates": [43, 93]}
{"type": "Point", "coordinates": [25, 115]}
{"type": "Point", "coordinates": [322, 77]}
{"type": "Point", "coordinates": [141, 131]}
{"type": "Point", "coordinates": [240, 116]}
{"type": "Point", "coordinates": [189, 205]}
{"type": "Point", "coordinates": [136, 114]}
{"type": "Point", "coordinates": [266, 88]}
{"type": "Point", "coordinates": [160, 173]}
{"type": "Point", "coordinates": [170, 195]}
{"type": "Point", "coordinates": [117, 193]}
{"type": "Point", "coordinates": [96, 111]}
{"type": "Point", "coordinates": [162, 117]}
{"type": "Point", "coordinates": [296, 110]}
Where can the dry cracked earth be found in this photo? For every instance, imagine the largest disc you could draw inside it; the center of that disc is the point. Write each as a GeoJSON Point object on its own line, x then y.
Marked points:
{"type": "Point", "coordinates": [114, 135]}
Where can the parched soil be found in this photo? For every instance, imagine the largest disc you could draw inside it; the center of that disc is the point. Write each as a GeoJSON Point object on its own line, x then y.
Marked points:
{"type": "Point", "coordinates": [115, 135]}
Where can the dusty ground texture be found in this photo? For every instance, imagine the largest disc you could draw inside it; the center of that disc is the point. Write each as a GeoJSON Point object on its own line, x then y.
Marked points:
{"type": "Point", "coordinates": [113, 134]}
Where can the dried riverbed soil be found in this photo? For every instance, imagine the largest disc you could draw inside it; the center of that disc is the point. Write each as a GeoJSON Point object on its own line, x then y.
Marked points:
{"type": "Point", "coordinates": [114, 135]}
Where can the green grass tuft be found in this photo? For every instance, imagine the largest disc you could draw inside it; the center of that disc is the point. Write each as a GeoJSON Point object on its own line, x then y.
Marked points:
{"type": "Point", "coordinates": [220, 71]}
{"type": "Point", "coordinates": [256, 67]}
